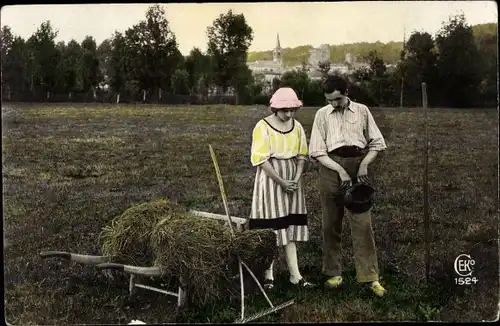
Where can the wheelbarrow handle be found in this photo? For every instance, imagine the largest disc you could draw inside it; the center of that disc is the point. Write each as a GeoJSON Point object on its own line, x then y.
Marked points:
{"type": "Point", "coordinates": [56, 254]}
{"type": "Point", "coordinates": [120, 267]}
{"type": "Point", "coordinates": [82, 259]}
{"type": "Point", "coordinates": [144, 271]}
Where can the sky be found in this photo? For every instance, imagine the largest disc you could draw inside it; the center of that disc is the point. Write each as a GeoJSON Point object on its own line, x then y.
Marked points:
{"type": "Point", "coordinates": [297, 23]}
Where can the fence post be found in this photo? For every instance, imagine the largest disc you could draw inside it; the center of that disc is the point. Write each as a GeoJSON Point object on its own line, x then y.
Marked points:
{"type": "Point", "coordinates": [426, 186]}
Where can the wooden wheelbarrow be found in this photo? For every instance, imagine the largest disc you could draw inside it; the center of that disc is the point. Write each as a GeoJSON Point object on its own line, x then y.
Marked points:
{"type": "Point", "coordinates": [106, 263]}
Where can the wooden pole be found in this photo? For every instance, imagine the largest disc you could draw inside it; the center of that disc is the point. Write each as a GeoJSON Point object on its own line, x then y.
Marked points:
{"type": "Point", "coordinates": [403, 57]}
{"type": "Point", "coordinates": [426, 185]}
{"type": "Point", "coordinates": [401, 92]}
{"type": "Point", "coordinates": [221, 187]}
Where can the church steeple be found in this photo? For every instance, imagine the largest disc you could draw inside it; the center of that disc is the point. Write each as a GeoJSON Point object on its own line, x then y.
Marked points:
{"type": "Point", "coordinates": [277, 53]}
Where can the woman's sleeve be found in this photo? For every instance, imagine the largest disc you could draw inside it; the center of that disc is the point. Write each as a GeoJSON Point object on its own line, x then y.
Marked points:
{"type": "Point", "coordinates": [303, 151]}
{"type": "Point", "coordinates": [261, 150]}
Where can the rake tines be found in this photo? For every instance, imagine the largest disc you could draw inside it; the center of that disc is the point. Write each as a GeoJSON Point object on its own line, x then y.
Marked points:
{"type": "Point", "coordinates": [265, 312]}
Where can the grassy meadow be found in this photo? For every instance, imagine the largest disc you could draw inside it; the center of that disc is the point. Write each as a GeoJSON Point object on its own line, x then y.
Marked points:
{"type": "Point", "coordinates": [69, 169]}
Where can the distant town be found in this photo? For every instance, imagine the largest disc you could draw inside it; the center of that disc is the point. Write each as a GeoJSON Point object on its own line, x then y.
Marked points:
{"type": "Point", "coordinates": [267, 70]}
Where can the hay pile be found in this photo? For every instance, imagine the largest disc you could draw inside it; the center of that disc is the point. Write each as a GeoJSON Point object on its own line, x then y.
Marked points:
{"type": "Point", "coordinates": [257, 248]}
{"type": "Point", "coordinates": [128, 235]}
{"type": "Point", "coordinates": [200, 251]}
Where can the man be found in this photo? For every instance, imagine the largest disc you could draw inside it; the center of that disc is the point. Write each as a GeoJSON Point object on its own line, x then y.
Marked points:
{"type": "Point", "coordinates": [345, 140]}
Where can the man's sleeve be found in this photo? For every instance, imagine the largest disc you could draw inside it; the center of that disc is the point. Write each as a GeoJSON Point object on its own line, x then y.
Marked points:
{"type": "Point", "coordinates": [317, 143]}
{"type": "Point", "coordinates": [374, 137]}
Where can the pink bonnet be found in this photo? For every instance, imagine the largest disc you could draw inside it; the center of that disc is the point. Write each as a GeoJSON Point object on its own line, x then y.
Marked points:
{"type": "Point", "coordinates": [285, 98]}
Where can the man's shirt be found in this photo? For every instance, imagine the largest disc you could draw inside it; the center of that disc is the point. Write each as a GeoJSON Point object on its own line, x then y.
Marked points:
{"type": "Point", "coordinates": [355, 126]}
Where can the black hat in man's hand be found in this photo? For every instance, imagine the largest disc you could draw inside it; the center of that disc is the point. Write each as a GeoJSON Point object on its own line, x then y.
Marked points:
{"type": "Point", "coordinates": [359, 198]}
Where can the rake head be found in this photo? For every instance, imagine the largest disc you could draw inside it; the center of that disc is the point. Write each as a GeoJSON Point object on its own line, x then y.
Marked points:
{"type": "Point", "coordinates": [265, 312]}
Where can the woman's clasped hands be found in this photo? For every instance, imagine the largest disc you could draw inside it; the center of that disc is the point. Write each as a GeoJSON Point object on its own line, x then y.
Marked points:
{"type": "Point", "coordinates": [289, 185]}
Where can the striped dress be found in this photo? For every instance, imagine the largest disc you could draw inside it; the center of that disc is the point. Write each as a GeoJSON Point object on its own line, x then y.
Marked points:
{"type": "Point", "coordinates": [272, 207]}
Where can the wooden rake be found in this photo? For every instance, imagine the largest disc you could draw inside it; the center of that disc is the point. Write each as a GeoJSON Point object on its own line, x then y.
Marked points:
{"type": "Point", "coordinates": [241, 263]}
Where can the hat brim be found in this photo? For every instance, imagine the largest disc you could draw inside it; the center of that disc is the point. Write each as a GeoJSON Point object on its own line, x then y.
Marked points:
{"type": "Point", "coordinates": [286, 104]}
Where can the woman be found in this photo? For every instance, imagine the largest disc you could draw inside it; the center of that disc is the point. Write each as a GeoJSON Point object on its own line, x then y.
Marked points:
{"type": "Point", "coordinates": [279, 151]}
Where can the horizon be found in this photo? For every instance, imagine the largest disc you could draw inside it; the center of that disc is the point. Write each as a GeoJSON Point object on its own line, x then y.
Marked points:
{"type": "Point", "coordinates": [188, 22]}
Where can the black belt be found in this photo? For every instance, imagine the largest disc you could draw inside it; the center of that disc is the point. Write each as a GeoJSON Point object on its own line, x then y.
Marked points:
{"type": "Point", "coordinates": [348, 151]}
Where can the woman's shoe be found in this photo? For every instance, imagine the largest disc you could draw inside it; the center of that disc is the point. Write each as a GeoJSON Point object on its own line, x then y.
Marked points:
{"type": "Point", "coordinates": [268, 284]}
{"type": "Point", "coordinates": [304, 284]}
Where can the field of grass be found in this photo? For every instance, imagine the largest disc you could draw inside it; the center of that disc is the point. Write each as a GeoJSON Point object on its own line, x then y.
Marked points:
{"type": "Point", "coordinates": [69, 169]}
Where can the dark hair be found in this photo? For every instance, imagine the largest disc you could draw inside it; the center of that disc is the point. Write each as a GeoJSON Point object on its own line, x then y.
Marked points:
{"type": "Point", "coordinates": [275, 110]}
{"type": "Point", "coordinates": [333, 83]}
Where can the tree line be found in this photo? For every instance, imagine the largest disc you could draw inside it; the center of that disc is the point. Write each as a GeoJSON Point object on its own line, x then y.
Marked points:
{"type": "Point", "coordinates": [389, 51]}
{"type": "Point", "coordinates": [144, 64]}
{"type": "Point", "coordinates": [459, 66]}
